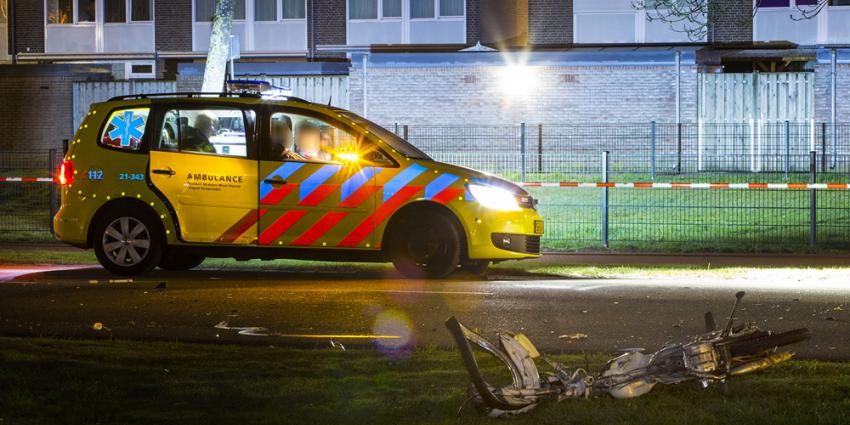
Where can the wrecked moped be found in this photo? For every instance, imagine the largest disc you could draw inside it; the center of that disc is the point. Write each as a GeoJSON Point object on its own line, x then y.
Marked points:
{"type": "Point", "coordinates": [708, 358]}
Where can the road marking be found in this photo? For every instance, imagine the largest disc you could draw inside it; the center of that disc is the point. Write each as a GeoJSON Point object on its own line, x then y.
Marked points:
{"type": "Point", "coordinates": [337, 336]}
{"type": "Point", "coordinates": [261, 331]}
{"type": "Point", "coordinates": [399, 291]}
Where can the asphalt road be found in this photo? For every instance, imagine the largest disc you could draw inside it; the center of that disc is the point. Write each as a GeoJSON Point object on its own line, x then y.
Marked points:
{"type": "Point", "coordinates": [379, 308]}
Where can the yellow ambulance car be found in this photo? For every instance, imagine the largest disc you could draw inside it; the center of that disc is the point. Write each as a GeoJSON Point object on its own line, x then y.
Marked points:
{"type": "Point", "coordinates": [169, 180]}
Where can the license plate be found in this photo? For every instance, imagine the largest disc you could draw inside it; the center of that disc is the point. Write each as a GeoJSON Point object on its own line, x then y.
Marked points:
{"type": "Point", "coordinates": [538, 227]}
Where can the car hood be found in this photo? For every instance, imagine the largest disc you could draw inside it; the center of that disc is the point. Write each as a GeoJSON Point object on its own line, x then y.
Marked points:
{"type": "Point", "coordinates": [484, 178]}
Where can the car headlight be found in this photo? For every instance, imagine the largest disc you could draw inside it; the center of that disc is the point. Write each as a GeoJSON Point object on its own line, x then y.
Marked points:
{"type": "Point", "coordinates": [494, 197]}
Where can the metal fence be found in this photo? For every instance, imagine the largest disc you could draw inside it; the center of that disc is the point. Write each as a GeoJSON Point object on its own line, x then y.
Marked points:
{"type": "Point", "coordinates": [581, 218]}
{"type": "Point", "coordinates": [664, 219]}
{"type": "Point", "coordinates": [27, 209]}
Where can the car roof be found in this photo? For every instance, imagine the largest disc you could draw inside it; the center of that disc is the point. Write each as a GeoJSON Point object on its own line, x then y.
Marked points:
{"type": "Point", "coordinates": [144, 99]}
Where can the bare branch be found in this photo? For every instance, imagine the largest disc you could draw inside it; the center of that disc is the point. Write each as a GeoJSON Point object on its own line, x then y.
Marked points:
{"type": "Point", "coordinates": [695, 17]}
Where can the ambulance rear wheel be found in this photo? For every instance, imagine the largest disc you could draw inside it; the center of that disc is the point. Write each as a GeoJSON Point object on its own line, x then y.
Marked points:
{"type": "Point", "coordinates": [177, 260]}
{"type": "Point", "coordinates": [425, 246]}
{"type": "Point", "coordinates": [127, 242]}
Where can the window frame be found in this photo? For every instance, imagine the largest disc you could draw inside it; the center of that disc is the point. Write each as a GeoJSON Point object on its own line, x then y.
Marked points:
{"type": "Point", "coordinates": [247, 119]}
{"type": "Point", "coordinates": [75, 9]}
{"type": "Point", "coordinates": [128, 14]}
{"type": "Point", "coordinates": [266, 125]}
{"type": "Point", "coordinates": [280, 17]}
{"type": "Point", "coordinates": [75, 6]}
{"type": "Point", "coordinates": [380, 15]}
{"type": "Point", "coordinates": [235, 19]}
{"type": "Point", "coordinates": [278, 12]}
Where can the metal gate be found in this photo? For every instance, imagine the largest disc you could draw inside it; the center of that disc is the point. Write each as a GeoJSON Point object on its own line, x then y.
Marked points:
{"type": "Point", "coordinates": [769, 115]}
{"type": "Point", "coordinates": [319, 89]}
{"type": "Point", "coordinates": [86, 93]}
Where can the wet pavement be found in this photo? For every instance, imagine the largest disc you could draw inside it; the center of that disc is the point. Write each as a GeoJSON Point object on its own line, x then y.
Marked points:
{"type": "Point", "coordinates": [376, 307]}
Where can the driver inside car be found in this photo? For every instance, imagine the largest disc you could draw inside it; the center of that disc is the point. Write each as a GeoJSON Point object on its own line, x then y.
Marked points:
{"type": "Point", "coordinates": [309, 143]}
{"type": "Point", "coordinates": [198, 136]}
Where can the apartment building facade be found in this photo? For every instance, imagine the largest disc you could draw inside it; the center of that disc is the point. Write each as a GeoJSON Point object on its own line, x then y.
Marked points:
{"type": "Point", "coordinates": [599, 60]}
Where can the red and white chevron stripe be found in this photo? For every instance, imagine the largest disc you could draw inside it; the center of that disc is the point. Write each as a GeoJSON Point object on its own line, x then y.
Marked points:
{"type": "Point", "coordinates": [26, 179]}
{"type": "Point", "coordinates": [645, 185]}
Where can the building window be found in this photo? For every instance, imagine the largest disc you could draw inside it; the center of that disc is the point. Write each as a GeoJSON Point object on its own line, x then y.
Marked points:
{"type": "Point", "coordinates": [363, 9]}
{"type": "Point", "coordinates": [115, 11]}
{"type": "Point", "coordinates": [839, 2]}
{"type": "Point", "coordinates": [776, 3]}
{"type": "Point", "coordinates": [265, 10]}
{"type": "Point", "coordinates": [293, 9]}
{"type": "Point", "coordinates": [140, 10]}
{"type": "Point", "coordinates": [451, 7]}
{"type": "Point", "coordinates": [86, 11]}
{"type": "Point", "coordinates": [205, 10]}
{"type": "Point", "coordinates": [60, 11]}
{"type": "Point", "coordinates": [391, 9]}
{"type": "Point", "coordinates": [421, 9]}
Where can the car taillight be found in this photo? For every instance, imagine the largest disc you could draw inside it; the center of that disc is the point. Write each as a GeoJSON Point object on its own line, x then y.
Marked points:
{"type": "Point", "coordinates": [66, 172]}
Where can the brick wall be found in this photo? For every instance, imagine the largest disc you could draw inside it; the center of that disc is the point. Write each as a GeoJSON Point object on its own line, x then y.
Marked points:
{"type": "Point", "coordinates": [563, 94]}
{"type": "Point", "coordinates": [730, 21]}
{"type": "Point", "coordinates": [29, 24]}
{"type": "Point", "coordinates": [550, 22]}
{"type": "Point", "coordinates": [29, 96]}
{"type": "Point", "coordinates": [473, 21]}
{"type": "Point", "coordinates": [330, 22]}
{"type": "Point", "coordinates": [173, 25]}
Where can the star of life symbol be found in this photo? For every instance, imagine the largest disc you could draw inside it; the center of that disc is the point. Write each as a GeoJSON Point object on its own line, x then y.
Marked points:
{"type": "Point", "coordinates": [126, 128]}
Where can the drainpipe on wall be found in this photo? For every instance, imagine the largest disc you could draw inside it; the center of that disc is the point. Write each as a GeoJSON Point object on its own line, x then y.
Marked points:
{"type": "Point", "coordinates": [365, 80]}
{"type": "Point", "coordinates": [10, 18]}
{"type": "Point", "coordinates": [833, 100]}
{"type": "Point", "coordinates": [312, 29]}
{"type": "Point", "coordinates": [678, 87]}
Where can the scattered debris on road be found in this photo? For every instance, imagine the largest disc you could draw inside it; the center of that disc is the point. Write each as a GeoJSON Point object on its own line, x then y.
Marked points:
{"type": "Point", "coordinates": [573, 337]}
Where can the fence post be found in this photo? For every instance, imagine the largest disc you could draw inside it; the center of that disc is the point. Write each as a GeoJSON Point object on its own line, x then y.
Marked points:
{"type": "Point", "coordinates": [522, 151]}
{"type": "Point", "coordinates": [404, 129]}
{"type": "Point", "coordinates": [787, 148]}
{"type": "Point", "coordinates": [652, 150]}
{"type": "Point", "coordinates": [679, 148]}
{"type": "Point", "coordinates": [396, 129]}
{"type": "Point", "coordinates": [823, 147]}
{"type": "Point", "coordinates": [813, 200]}
{"type": "Point", "coordinates": [51, 162]}
{"type": "Point", "coordinates": [605, 199]}
{"type": "Point", "coordinates": [540, 148]}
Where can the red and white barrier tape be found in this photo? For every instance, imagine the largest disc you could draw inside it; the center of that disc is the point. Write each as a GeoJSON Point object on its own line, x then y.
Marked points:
{"type": "Point", "coordinates": [639, 185]}
{"type": "Point", "coordinates": [636, 185]}
{"type": "Point", "coordinates": [26, 179]}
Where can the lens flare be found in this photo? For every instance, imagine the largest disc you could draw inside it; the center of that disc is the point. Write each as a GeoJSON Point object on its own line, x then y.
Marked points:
{"type": "Point", "coordinates": [394, 322]}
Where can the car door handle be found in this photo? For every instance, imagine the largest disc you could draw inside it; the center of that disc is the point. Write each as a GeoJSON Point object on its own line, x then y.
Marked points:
{"type": "Point", "coordinates": [168, 172]}
{"type": "Point", "coordinates": [275, 181]}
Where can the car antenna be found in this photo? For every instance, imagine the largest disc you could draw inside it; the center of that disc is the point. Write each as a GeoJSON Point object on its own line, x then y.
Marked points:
{"type": "Point", "coordinates": [329, 99]}
{"type": "Point", "coordinates": [728, 328]}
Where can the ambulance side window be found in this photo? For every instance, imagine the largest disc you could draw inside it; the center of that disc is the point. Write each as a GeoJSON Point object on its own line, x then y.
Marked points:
{"type": "Point", "coordinates": [212, 131]}
{"type": "Point", "coordinates": [125, 129]}
{"type": "Point", "coordinates": [295, 137]}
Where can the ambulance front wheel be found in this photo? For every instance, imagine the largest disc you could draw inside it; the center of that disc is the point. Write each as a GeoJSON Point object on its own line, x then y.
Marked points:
{"type": "Point", "coordinates": [127, 242]}
{"type": "Point", "coordinates": [425, 244]}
